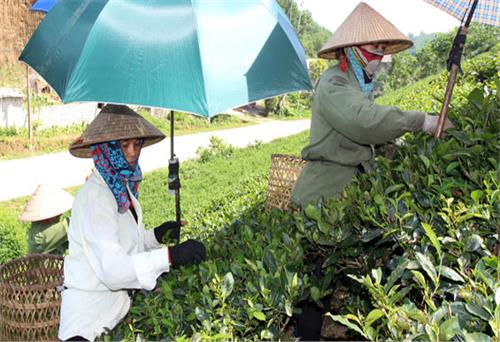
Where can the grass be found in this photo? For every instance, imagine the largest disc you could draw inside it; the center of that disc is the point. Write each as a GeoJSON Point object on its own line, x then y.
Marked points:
{"type": "Point", "coordinates": [221, 173]}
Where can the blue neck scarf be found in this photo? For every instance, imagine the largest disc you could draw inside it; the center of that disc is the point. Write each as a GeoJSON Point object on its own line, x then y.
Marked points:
{"type": "Point", "coordinates": [366, 88]}
{"type": "Point", "coordinates": [110, 161]}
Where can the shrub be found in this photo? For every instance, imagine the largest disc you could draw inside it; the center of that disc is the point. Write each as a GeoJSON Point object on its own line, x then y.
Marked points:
{"type": "Point", "coordinates": [13, 237]}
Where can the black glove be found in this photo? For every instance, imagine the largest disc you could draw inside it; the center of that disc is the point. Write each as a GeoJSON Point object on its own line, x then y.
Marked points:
{"type": "Point", "coordinates": [172, 228]}
{"type": "Point", "coordinates": [188, 252]}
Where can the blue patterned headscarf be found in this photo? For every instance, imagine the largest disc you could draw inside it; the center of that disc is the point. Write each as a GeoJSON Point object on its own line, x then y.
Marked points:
{"type": "Point", "coordinates": [114, 168]}
{"type": "Point", "coordinates": [358, 71]}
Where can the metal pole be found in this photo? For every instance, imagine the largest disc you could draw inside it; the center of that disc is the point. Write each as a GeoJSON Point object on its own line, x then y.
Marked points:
{"type": "Point", "coordinates": [172, 134]}
{"type": "Point", "coordinates": [174, 160]}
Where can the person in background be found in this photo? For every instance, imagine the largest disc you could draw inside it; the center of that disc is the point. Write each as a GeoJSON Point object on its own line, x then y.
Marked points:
{"type": "Point", "coordinates": [346, 124]}
{"type": "Point", "coordinates": [45, 209]}
{"type": "Point", "coordinates": [110, 252]}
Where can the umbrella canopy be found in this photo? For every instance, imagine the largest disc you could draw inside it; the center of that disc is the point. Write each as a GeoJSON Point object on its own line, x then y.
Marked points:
{"type": "Point", "coordinates": [487, 11]}
{"type": "Point", "coordinates": [197, 56]}
{"type": "Point", "coordinates": [43, 5]}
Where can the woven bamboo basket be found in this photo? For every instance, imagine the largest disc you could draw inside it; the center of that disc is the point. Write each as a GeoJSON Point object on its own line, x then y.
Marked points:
{"type": "Point", "coordinates": [283, 174]}
{"type": "Point", "coordinates": [29, 298]}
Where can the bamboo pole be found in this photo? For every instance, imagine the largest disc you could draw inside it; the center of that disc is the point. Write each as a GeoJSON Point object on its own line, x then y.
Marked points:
{"type": "Point", "coordinates": [454, 66]}
{"type": "Point", "coordinates": [447, 98]}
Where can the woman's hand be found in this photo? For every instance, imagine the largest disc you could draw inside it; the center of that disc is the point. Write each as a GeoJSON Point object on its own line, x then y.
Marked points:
{"type": "Point", "coordinates": [431, 123]}
{"type": "Point", "coordinates": [170, 228]}
{"type": "Point", "coordinates": [188, 252]}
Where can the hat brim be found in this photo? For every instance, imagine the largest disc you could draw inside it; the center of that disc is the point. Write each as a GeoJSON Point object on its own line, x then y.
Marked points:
{"type": "Point", "coordinates": [115, 122]}
{"type": "Point", "coordinates": [391, 48]}
{"type": "Point", "coordinates": [83, 150]}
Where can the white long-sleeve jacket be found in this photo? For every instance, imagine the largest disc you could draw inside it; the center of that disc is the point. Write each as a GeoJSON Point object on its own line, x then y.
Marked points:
{"type": "Point", "coordinates": [109, 253]}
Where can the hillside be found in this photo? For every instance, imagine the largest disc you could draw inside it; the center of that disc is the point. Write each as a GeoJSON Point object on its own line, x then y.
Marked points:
{"type": "Point", "coordinates": [17, 23]}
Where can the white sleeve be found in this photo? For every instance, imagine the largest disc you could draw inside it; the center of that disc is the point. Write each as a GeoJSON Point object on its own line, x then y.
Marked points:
{"type": "Point", "coordinates": [150, 241]}
{"type": "Point", "coordinates": [116, 268]}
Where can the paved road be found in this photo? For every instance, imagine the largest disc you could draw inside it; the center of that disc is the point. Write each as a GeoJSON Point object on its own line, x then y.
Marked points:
{"type": "Point", "coordinates": [20, 177]}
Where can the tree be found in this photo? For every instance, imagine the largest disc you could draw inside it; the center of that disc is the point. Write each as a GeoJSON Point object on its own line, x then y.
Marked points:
{"type": "Point", "coordinates": [432, 57]}
{"type": "Point", "coordinates": [311, 35]}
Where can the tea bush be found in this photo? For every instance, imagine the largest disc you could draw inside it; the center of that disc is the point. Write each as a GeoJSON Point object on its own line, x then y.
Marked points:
{"type": "Point", "coordinates": [415, 242]}
{"type": "Point", "coordinates": [13, 237]}
{"type": "Point", "coordinates": [433, 214]}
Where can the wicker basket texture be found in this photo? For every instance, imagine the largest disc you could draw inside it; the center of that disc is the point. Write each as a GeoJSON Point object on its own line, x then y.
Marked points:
{"type": "Point", "coordinates": [283, 174]}
{"type": "Point", "coordinates": [29, 298]}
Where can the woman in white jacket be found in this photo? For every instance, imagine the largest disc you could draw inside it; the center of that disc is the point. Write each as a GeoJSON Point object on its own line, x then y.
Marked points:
{"type": "Point", "coordinates": [110, 252]}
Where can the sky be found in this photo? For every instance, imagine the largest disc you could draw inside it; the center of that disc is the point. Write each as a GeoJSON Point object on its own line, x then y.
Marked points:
{"type": "Point", "coordinates": [409, 16]}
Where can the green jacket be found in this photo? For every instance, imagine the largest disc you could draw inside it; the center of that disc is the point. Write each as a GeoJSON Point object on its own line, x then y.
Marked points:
{"type": "Point", "coordinates": [48, 238]}
{"type": "Point", "coordinates": [344, 127]}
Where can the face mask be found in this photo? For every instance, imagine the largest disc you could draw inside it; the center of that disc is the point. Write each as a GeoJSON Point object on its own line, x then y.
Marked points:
{"type": "Point", "coordinates": [374, 59]}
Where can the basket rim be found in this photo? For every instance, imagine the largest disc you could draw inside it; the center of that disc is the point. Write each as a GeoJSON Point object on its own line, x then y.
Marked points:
{"type": "Point", "coordinates": [51, 284]}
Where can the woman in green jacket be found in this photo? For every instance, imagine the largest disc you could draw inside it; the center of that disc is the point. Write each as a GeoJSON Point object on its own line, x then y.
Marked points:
{"type": "Point", "coordinates": [346, 123]}
{"type": "Point", "coordinates": [48, 231]}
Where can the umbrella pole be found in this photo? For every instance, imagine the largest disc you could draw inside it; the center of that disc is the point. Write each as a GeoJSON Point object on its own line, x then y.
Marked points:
{"type": "Point", "coordinates": [454, 67]}
{"type": "Point", "coordinates": [172, 155]}
{"type": "Point", "coordinates": [174, 183]}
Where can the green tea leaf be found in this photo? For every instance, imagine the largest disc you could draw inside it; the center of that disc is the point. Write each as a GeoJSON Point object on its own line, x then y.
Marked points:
{"type": "Point", "coordinates": [295, 281]}
{"type": "Point", "coordinates": [452, 166]}
{"type": "Point", "coordinates": [393, 188]}
{"type": "Point", "coordinates": [427, 265]}
{"type": "Point", "coordinates": [315, 293]}
{"type": "Point", "coordinates": [473, 242]}
{"type": "Point", "coordinates": [448, 329]}
{"type": "Point", "coordinates": [313, 212]}
{"type": "Point", "coordinates": [476, 97]}
{"type": "Point", "coordinates": [450, 273]}
{"type": "Point", "coordinates": [377, 275]}
{"type": "Point", "coordinates": [426, 161]}
{"type": "Point", "coordinates": [396, 273]}
{"type": "Point", "coordinates": [433, 237]}
{"type": "Point", "coordinates": [259, 315]}
{"type": "Point", "coordinates": [495, 322]}
{"type": "Point", "coordinates": [431, 332]}
{"type": "Point", "coordinates": [477, 311]}
{"type": "Point", "coordinates": [227, 284]}
{"type": "Point", "coordinates": [373, 316]}
{"type": "Point", "coordinates": [420, 279]}
{"type": "Point", "coordinates": [347, 323]}
{"type": "Point", "coordinates": [288, 308]}
{"type": "Point", "coordinates": [266, 335]}
{"type": "Point", "coordinates": [476, 195]}
{"type": "Point", "coordinates": [476, 337]}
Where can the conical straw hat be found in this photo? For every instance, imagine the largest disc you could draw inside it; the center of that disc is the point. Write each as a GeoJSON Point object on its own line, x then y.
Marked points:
{"type": "Point", "coordinates": [363, 26]}
{"type": "Point", "coordinates": [47, 201]}
{"type": "Point", "coordinates": [115, 122]}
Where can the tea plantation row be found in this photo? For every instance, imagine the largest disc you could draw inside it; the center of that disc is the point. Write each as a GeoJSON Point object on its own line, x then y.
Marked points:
{"type": "Point", "coordinates": [415, 242]}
